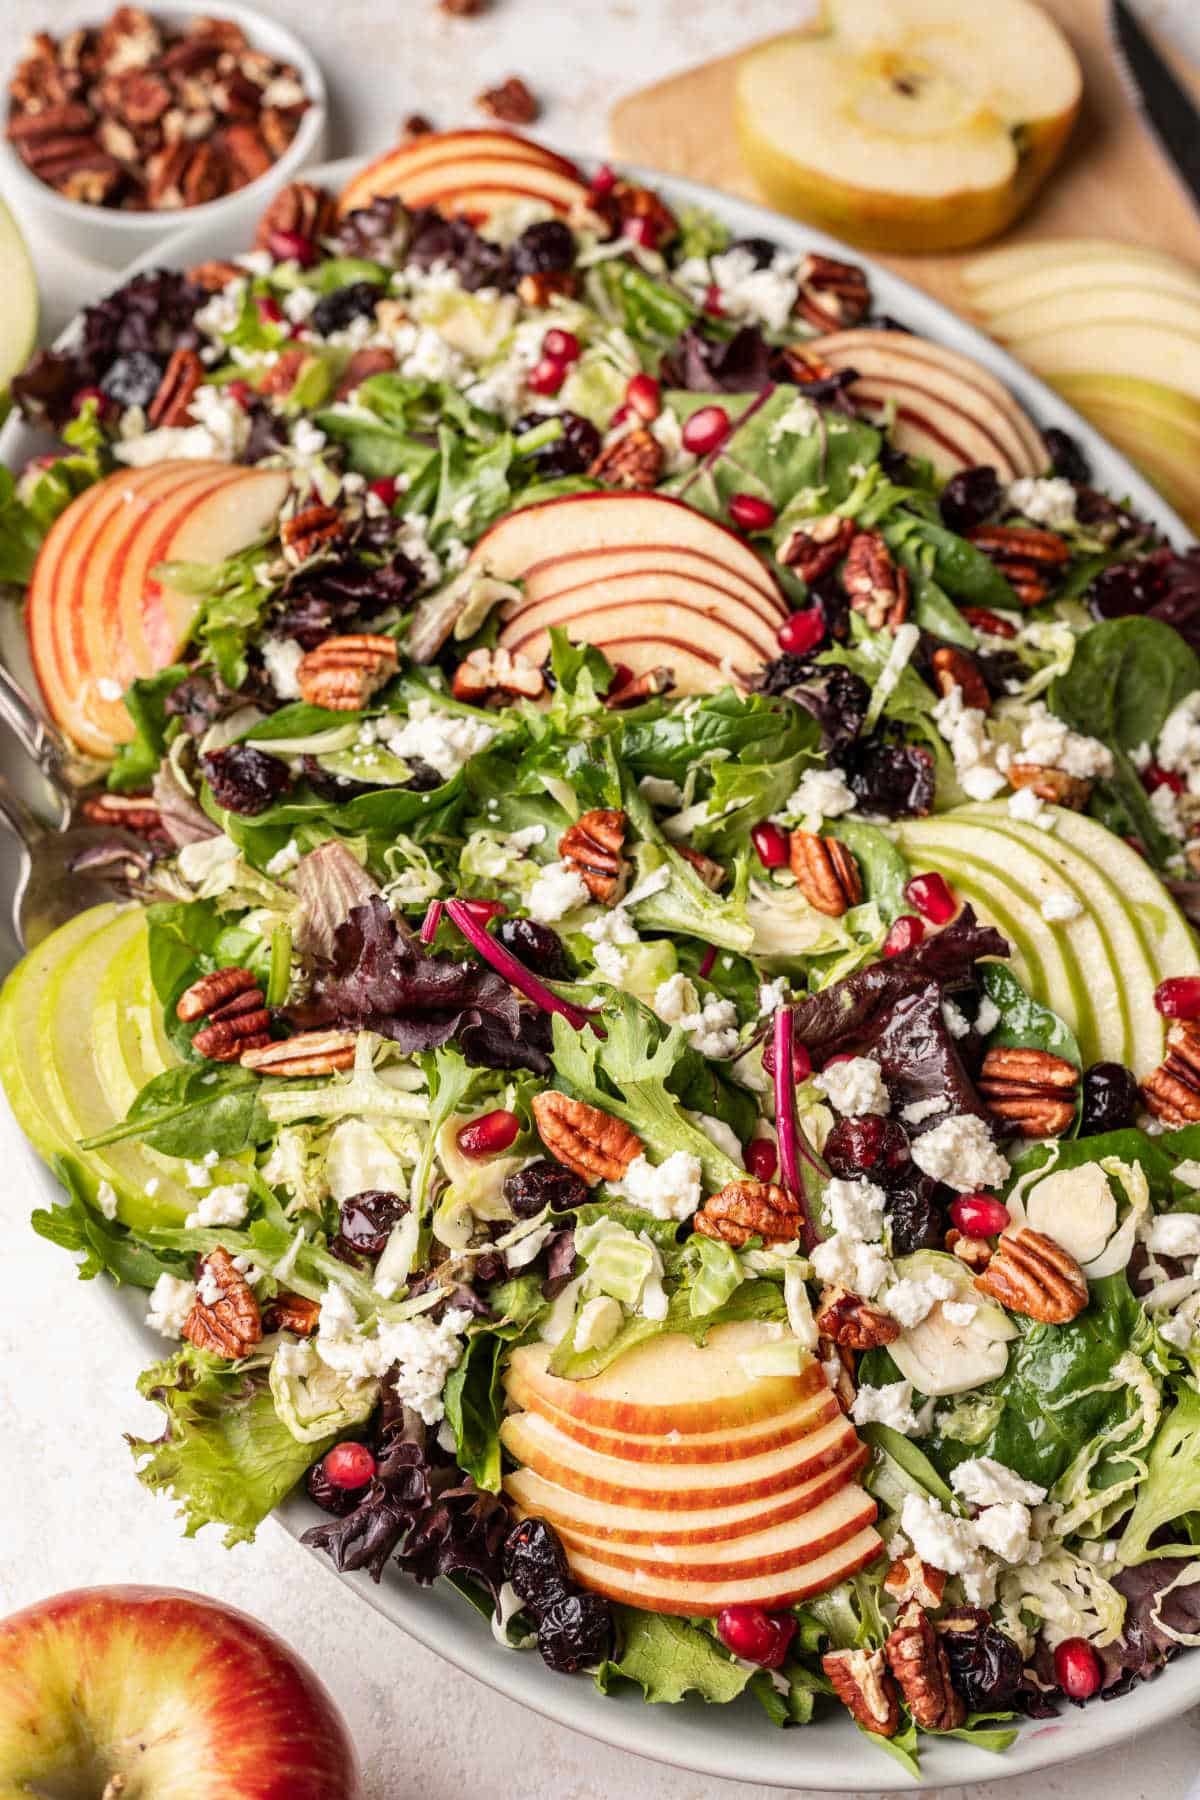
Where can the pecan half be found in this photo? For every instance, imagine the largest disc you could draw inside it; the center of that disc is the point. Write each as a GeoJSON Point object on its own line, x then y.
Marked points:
{"type": "Point", "coordinates": [247, 152]}
{"type": "Point", "coordinates": [308, 1053]}
{"type": "Point", "coordinates": [632, 461]}
{"type": "Point", "coordinates": [908, 1578]}
{"type": "Point", "coordinates": [376, 359]}
{"type": "Point", "coordinates": [172, 402]}
{"type": "Point", "coordinates": [640, 687]}
{"type": "Point", "coordinates": [832, 294]}
{"type": "Point", "coordinates": [291, 1312]}
{"type": "Point", "coordinates": [981, 618]}
{"type": "Point", "coordinates": [920, 1665]}
{"type": "Point", "coordinates": [861, 1682]}
{"type": "Point", "coordinates": [342, 673]}
{"type": "Point", "coordinates": [826, 872]}
{"type": "Point", "coordinates": [233, 1004]}
{"type": "Point", "coordinates": [213, 990]}
{"type": "Point", "coordinates": [308, 530]}
{"type": "Point", "coordinates": [1172, 1091]}
{"type": "Point", "coordinates": [1030, 559]}
{"type": "Point", "coordinates": [301, 207]}
{"type": "Point", "coordinates": [746, 1209]}
{"type": "Point", "coordinates": [1032, 1091]}
{"type": "Point", "coordinates": [284, 372]}
{"type": "Point", "coordinates": [953, 668]}
{"type": "Point", "coordinates": [496, 678]}
{"type": "Point", "coordinates": [712, 873]}
{"type": "Point", "coordinates": [546, 286]}
{"type": "Point", "coordinates": [877, 586]}
{"type": "Point", "coordinates": [1052, 785]}
{"type": "Point", "coordinates": [132, 812]}
{"type": "Point", "coordinates": [1031, 1274]}
{"type": "Point", "coordinates": [852, 1323]}
{"type": "Point", "coordinates": [974, 1252]}
{"type": "Point", "coordinates": [228, 1326]}
{"type": "Point", "coordinates": [511, 102]}
{"type": "Point", "coordinates": [817, 547]}
{"type": "Point", "coordinates": [593, 845]}
{"type": "Point", "coordinates": [583, 1138]}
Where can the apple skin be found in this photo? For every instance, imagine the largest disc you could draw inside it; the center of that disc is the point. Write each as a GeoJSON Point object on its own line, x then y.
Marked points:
{"type": "Point", "coordinates": [186, 1697]}
{"type": "Point", "coordinates": [468, 172]}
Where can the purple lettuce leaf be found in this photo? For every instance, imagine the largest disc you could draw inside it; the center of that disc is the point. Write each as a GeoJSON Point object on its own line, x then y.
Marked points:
{"type": "Point", "coordinates": [1143, 1647]}
{"type": "Point", "coordinates": [920, 1060]}
{"type": "Point", "coordinates": [329, 882]}
{"type": "Point", "coordinates": [704, 365]}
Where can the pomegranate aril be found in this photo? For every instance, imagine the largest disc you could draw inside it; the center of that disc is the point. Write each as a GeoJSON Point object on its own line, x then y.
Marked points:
{"type": "Point", "coordinates": [980, 1215]}
{"type": "Point", "coordinates": [487, 1136]}
{"type": "Point", "coordinates": [762, 1159]}
{"type": "Point", "coordinates": [755, 1635]}
{"type": "Point", "coordinates": [801, 632]}
{"type": "Point", "coordinates": [348, 1466]}
{"type": "Point", "coordinates": [561, 346]}
{"type": "Point", "coordinates": [384, 489]}
{"type": "Point", "coordinates": [292, 246]}
{"type": "Point", "coordinates": [643, 232]}
{"type": "Point", "coordinates": [931, 897]}
{"type": "Point", "coordinates": [269, 310]}
{"type": "Point", "coordinates": [770, 844]}
{"type": "Point", "coordinates": [604, 180]}
{"type": "Point", "coordinates": [84, 394]}
{"type": "Point", "coordinates": [705, 430]}
{"type": "Point", "coordinates": [1077, 1669]}
{"type": "Point", "coordinates": [644, 397]}
{"type": "Point", "coordinates": [1155, 776]}
{"type": "Point", "coordinates": [484, 910]}
{"type": "Point", "coordinates": [241, 393]}
{"type": "Point", "coordinates": [547, 376]}
{"type": "Point", "coordinates": [907, 931]}
{"type": "Point", "coordinates": [1178, 997]}
{"type": "Point", "coordinates": [749, 513]}
{"type": "Point", "coordinates": [801, 1060]}
{"type": "Point", "coordinates": [712, 302]}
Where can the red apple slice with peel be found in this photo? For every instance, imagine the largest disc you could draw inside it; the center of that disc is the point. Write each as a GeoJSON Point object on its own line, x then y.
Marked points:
{"type": "Point", "coordinates": [654, 1592]}
{"type": "Point", "coordinates": [560, 574]}
{"type": "Point", "coordinates": [599, 1520]}
{"type": "Point", "coordinates": [151, 1691]}
{"type": "Point", "coordinates": [389, 173]}
{"type": "Point", "coordinates": [711, 598]}
{"type": "Point", "coordinates": [478, 186]}
{"type": "Point", "coordinates": [662, 603]}
{"type": "Point", "coordinates": [704, 653]}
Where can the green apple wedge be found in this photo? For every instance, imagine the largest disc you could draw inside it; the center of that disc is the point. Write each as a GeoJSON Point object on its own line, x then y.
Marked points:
{"type": "Point", "coordinates": [1157, 427]}
{"type": "Point", "coordinates": [1127, 923]}
{"type": "Point", "coordinates": [18, 304]}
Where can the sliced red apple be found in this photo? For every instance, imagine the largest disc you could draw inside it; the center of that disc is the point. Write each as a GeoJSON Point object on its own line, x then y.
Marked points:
{"type": "Point", "coordinates": [656, 1592]}
{"type": "Point", "coordinates": [947, 407]}
{"type": "Point", "coordinates": [444, 169]}
{"type": "Point", "coordinates": [562, 574]}
{"type": "Point", "coordinates": [648, 587]}
{"type": "Point", "coordinates": [96, 615]}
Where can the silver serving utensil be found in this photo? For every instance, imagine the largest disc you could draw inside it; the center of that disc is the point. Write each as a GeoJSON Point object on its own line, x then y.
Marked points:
{"type": "Point", "coordinates": [62, 872]}
{"type": "Point", "coordinates": [1159, 96]}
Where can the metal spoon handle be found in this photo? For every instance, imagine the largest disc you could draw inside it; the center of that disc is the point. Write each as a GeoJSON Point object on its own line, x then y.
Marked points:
{"type": "Point", "coordinates": [17, 818]}
{"type": "Point", "coordinates": [41, 741]}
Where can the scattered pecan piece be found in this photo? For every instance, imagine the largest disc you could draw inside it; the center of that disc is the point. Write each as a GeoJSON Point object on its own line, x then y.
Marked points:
{"type": "Point", "coordinates": [746, 1209]}
{"type": "Point", "coordinates": [308, 530]}
{"type": "Point", "coordinates": [953, 668]}
{"type": "Point", "coordinates": [861, 1682]}
{"type": "Point", "coordinates": [213, 990]}
{"type": "Point", "coordinates": [233, 1004]}
{"type": "Point", "coordinates": [1172, 1091]}
{"type": "Point", "coordinates": [583, 1138]}
{"type": "Point", "coordinates": [852, 1323]}
{"type": "Point", "coordinates": [1032, 1091]}
{"type": "Point", "coordinates": [301, 207]}
{"type": "Point", "coordinates": [510, 102]}
{"type": "Point", "coordinates": [229, 1326]}
{"type": "Point", "coordinates": [132, 812]}
{"type": "Point", "coordinates": [171, 404]}
{"type": "Point", "coordinates": [908, 1578]}
{"type": "Point", "coordinates": [981, 618]}
{"type": "Point", "coordinates": [247, 153]}
{"type": "Point", "coordinates": [1030, 559]}
{"type": "Point", "coordinates": [843, 1384]}
{"type": "Point", "coordinates": [496, 678]}
{"type": "Point", "coordinates": [376, 359]}
{"type": "Point", "coordinates": [877, 586]}
{"type": "Point", "coordinates": [342, 673]}
{"type": "Point", "coordinates": [640, 687]}
{"type": "Point", "coordinates": [291, 1312]}
{"type": "Point", "coordinates": [593, 845]}
{"type": "Point", "coordinates": [974, 1252]}
{"type": "Point", "coordinates": [818, 546]}
{"type": "Point", "coordinates": [632, 461]}
{"type": "Point", "coordinates": [826, 872]}
{"type": "Point", "coordinates": [1031, 1274]}
{"type": "Point", "coordinates": [308, 1053]}
{"type": "Point", "coordinates": [284, 372]}
{"type": "Point", "coordinates": [712, 873]}
{"type": "Point", "coordinates": [832, 294]}
{"type": "Point", "coordinates": [548, 285]}
{"type": "Point", "coordinates": [1052, 785]}
{"type": "Point", "coordinates": [215, 275]}
{"type": "Point", "coordinates": [920, 1665]}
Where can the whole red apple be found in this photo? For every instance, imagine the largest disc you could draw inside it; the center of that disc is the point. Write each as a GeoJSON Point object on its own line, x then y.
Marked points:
{"type": "Point", "coordinates": [179, 1696]}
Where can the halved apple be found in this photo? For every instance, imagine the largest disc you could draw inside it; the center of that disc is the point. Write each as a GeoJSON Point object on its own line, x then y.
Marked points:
{"type": "Point", "coordinates": [97, 616]}
{"type": "Point", "coordinates": [909, 125]}
{"type": "Point", "coordinates": [947, 407]}
{"type": "Point", "coordinates": [471, 173]}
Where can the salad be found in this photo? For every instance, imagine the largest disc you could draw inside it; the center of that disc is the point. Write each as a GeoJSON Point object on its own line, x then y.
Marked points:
{"type": "Point", "coordinates": [655, 1063]}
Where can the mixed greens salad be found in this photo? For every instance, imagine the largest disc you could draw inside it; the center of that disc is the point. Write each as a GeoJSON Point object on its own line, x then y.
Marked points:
{"type": "Point", "coordinates": [487, 1018]}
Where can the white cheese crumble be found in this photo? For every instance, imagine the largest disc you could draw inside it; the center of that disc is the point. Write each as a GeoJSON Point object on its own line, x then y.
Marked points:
{"type": "Point", "coordinates": [1174, 1234]}
{"type": "Point", "coordinates": [822, 794]}
{"type": "Point", "coordinates": [919, 1110]}
{"type": "Point", "coordinates": [444, 740]}
{"type": "Point", "coordinates": [106, 1199]}
{"type": "Point", "coordinates": [711, 1026]}
{"type": "Point", "coordinates": [913, 1299]}
{"type": "Point", "coordinates": [1188, 1171]}
{"type": "Point", "coordinates": [208, 1289]}
{"type": "Point", "coordinates": [558, 890]}
{"type": "Point", "coordinates": [771, 996]}
{"type": "Point", "coordinates": [1179, 743]}
{"type": "Point", "coordinates": [982, 1481]}
{"type": "Point", "coordinates": [670, 1190]}
{"type": "Point", "coordinates": [960, 1152]}
{"type": "Point", "coordinates": [1045, 500]}
{"type": "Point", "coordinates": [890, 1405]}
{"type": "Point", "coordinates": [1029, 809]}
{"type": "Point", "coordinates": [945, 1542]}
{"type": "Point", "coordinates": [1060, 909]}
{"type": "Point", "coordinates": [971, 745]}
{"type": "Point", "coordinates": [1048, 742]}
{"type": "Point", "coordinates": [1164, 804]}
{"type": "Point", "coordinates": [843, 1261]}
{"type": "Point", "coordinates": [424, 1353]}
{"type": "Point", "coordinates": [855, 1086]}
{"type": "Point", "coordinates": [282, 657]}
{"type": "Point", "coordinates": [855, 1209]}
{"type": "Point", "coordinates": [170, 1303]}
{"type": "Point", "coordinates": [221, 1206]}
{"type": "Point", "coordinates": [959, 1312]}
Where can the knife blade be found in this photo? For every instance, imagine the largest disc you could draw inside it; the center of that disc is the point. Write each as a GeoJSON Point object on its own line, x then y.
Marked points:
{"type": "Point", "coordinates": [1163, 102]}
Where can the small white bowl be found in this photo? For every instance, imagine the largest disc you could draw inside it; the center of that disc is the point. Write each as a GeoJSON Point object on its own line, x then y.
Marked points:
{"type": "Point", "coordinates": [108, 235]}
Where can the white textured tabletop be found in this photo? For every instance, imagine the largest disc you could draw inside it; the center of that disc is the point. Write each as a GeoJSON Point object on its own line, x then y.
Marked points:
{"type": "Point", "coordinates": [71, 1513]}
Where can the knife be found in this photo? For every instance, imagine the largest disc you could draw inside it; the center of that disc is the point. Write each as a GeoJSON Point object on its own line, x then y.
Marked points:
{"type": "Point", "coordinates": [1164, 103]}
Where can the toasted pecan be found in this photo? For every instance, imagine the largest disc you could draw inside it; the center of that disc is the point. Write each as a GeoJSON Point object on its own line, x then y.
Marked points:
{"type": "Point", "coordinates": [583, 1138]}
{"type": "Point", "coordinates": [852, 1323]}
{"type": "Point", "coordinates": [229, 1326]}
{"type": "Point", "coordinates": [634, 460]}
{"type": "Point", "coordinates": [954, 668]}
{"type": "Point", "coordinates": [342, 673]}
{"type": "Point", "coordinates": [497, 678]}
{"type": "Point", "coordinates": [861, 1681]}
{"type": "Point", "coordinates": [1052, 785]}
{"type": "Point", "coordinates": [1029, 1273]}
{"type": "Point", "coordinates": [593, 846]}
{"type": "Point", "coordinates": [308, 1053]}
{"type": "Point", "coordinates": [1032, 1091]}
{"type": "Point", "coordinates": [918, 1660]}
{"type": "Point", "coordinates": [826, 872]}
{"type": "Point", "coordinates": [746, 1209]}
{"type": "Point", "coordinates": [877, 586]}
{"type": "Point", "coordinates": [908, 1578]}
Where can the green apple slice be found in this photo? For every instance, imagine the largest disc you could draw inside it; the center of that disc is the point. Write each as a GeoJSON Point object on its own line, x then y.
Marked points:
{"type": "Point", "coordinates": [18, 304]}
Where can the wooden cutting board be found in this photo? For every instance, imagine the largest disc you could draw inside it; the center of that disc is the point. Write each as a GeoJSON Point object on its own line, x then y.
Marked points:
{"type": "Point", "coordinates": [1113, 181]}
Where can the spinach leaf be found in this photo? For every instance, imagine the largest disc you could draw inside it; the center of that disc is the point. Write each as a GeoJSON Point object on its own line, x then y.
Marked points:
{"type": "Point", "coordinates": [928, 550]}
{"type": "Point", "coordinates": [815, 471]}
{"type": "Point", "coordinates": [474, 1395]}
{"type": "Point", "coordinates": [193, 1110]}
{"type": "Point", "coordinates": [1025, 1024]}
{"type": "Point", "coordinates": [146, 704]}
{"type": "Point", "coordinates": [1125, 677]}
{"type": "Point", "coordinates": [884, 870]}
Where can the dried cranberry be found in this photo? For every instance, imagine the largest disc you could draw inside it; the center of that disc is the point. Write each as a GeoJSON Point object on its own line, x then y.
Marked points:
{"type": "Point", "coordinates": [896, 780]}
{"type": "Point", "coordinates": [915, 1220]}
{"type": "Point", "coordinates": [244, 779]}
{"type": "Point", "coordinates": [783, 673]}
{"type": "Point", "coordinates": [571, 453]}
{"type": "Point", "coordinates": [334, 312]}
{"type": "Point", "coordinates": [1066, 457]}
{"type": "Point", "coordinates": [542, 1184]}
{"type": "Point", "coordinates": [869, 1146]}
{"type": "Point", "coordinates": [331, 1499]}
{"type": "Point", "coordinates": [422, 776]}
{"type": "Point", "coordinates": [575, 1632]}
{"type": "Point", "coordinates": [537, 946]}
{"type": "Point", "coordinates": [1110, 1099]}
{"type": "Point", "coordinates": [770, 844]}
{"type": "Point", "coordinates": [545, 248]}
{"type": "Point", "coordinates": [133, 380]}
{"type": "Point", "coordinates": [366, 1220]}
{"type": "Point", "coordinates": [970, 498]}
{"type": "Point", "coordinates": [985, 1666]}
{"type": "Point", "coordinates": [536, 1564]}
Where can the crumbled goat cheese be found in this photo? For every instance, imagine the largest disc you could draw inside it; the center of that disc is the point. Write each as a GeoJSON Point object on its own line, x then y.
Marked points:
{"type": "Point", "coordinates": [1007, 1529]}
{"type": "Point", "coordinates": [955, 1019]}
{"type": "Point", "coordinates": [855, 1086]}
{"type": "Point", "coordinates": [913, 1299]}
{"type": "Point", "coordinates": [842, 1261]}
{"type": "Point", "coordinates": [959, 1312]}
{"type": "Point", "coordinates": [961, 1153]}
{"type": "Point", "coordinates": [987, 1016]}
{"type": "Point", "coordinates": [889, 1405]}
{"type": "Point", "coordinates": [1179, 742]}
{"type": "Point", "coordinates": [221, 1206]}
{"type": "Point", "coordinates": [1029, 809]}
{"type": "Point", "coordinates": [982, 1481]}
{"type": "Point", "coordinates": [771, 996]}
{"type": "Point", "coordinates": [611, 963]}
{"type": "Point", "coordinates": [284, 860]}
{"type": "Point", "coordinates": [747, 292]}
{"type": "Point", "coordinates": [282, 657]}
{"type": "Point", "coordinates": [1059, 909]}
{"type": "Point", "coordinates": [424, 1353]}
{"type": "Point", "coordinates": [1048, 742]}
{"type": "Point", "coordinates": [106, 1199]}
{"type": "Point", "coordinates": [944, 1541]}
{"type": "Point", "coordinates": [1044, 500]}
{"type": "Point", "coordinates": [443, 740]}
{"type": "Point", "coordinates": [1164, 804]}
{"type": "Point", "coordinates": [1174, 1234]}
{"type": "Point", "coordinates": [822, 794]}
{"type": "Point", "coordinates": [170, 1303]}
{"type": "Point", "coordinates": [219, 433]}
{"type": "Point", "coordinates": [669, 1191]}
{"type": "Point", "coordinates": [208, 1289]}
{"type": "Point", "coordinates": [918, 1111]}
{"type": "Point", "coordinates": [558, 890]}
{"type": "Point", "coordinates": [711, 1026]}
{"type": "Point", "coordinates": [855, 1209]}
{"type": "Point", "coordinates": [720, 1134]}
{"type": "Point", "coordinates": [614, 926]}
{"type": "Point", "coordinates": [972, 746]}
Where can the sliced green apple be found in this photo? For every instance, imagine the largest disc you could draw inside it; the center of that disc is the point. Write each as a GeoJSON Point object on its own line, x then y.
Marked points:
{"type": "Point", "coordinates": [18, 303]}
{"type": "Point", "coordinates": [1156, 427]}
{"type": "Point", "coordinates": [1162, 353]}
{"type": "Point", "coordinates": [1030, 272]}
{"type": "Point", "coordinates": [1124, 303]}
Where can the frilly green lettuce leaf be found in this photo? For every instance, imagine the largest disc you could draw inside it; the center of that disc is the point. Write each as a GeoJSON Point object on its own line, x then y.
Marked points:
{"type": "Point", "coordinates": [669, 1658]}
